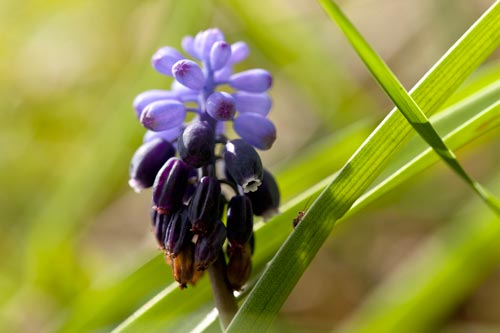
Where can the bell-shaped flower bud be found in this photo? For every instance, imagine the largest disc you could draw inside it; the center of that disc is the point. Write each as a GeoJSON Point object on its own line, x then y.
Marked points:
{"type": "Point", "coordinates": [163, 115]}
{"type": "Point", "coordinates": [219, 54]}
{"type": "Point", "coordinates": [209, 246]}
{"type": "Point", "coordinates": [252, 243]}
{"type": "Point", "coordinates": [239, 220]}
{"type": "Point", "coordinates": [239, 52]}
{"type": "Point", "coordinates": [165, 58]}
{"type": "Point", "coordinates": [239, 266]}
{"type": "Point", "coordinates": [169, 135]}
{"type": "Point", "coordinates": [178, 233]}
{"type": "Point", "coordinates": [253, 103]}
{"type": "Point", "coordinates": [222, 76]}
{"type": "Point", "coordinates": [221, 106]}
{"type": "Point", "coordinates": [183, 93]}
{"type": "Point", "coordinates": [189, 74]}
{"type": "Point", "coordinates": [252, 80]}
{"type": "Point", "coordinates": [183, 266]}
{"type": "Point", "coordinates": [243, 165]}
{"type": "Point", "coordinates": [147, 161]}
{"type": "Point", "coordinates": [187, 44]}
{"type": "Point", "coordinates": [149, 96]}
{"type": "Point", "coordinates": [204, 41]}
{"type": "Point", "coordinates": [255, 129]}
{"type": "Point", "coordinates": [266, 200]}
{"type": "Point", "coordinates": [169, 186]}
{"type": "Point", "coordinates": [196, 144]}
{"type": "Point", "coordinates": [204, 206]}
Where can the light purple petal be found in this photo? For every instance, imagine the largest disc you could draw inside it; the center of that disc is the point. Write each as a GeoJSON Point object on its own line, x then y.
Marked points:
{"type": "Point", "coordinates": [239, 52]}
{"type": "Point", "coordinates": [188, 46]}
{"type": "Point", "coordinates": [222, 75]}
{"type": "Point", "coordinates": [167, 135]}
{"type": "Point", "coordinates": [183, 93]}
{"type": "Point", "coordinates": [163, 115]}
{"type": "Point", "coordinates": [164, 59]}
{"type": "Point", "coordinates": [219, 55]}
{"type": "Point", "coordinates": [253, 80]}
{"type": "Point", "coordinates": [256, 103]}
{"type": "Point", "coordinates": [221, 106]}
{"type": "Point", "coordinates": [255, 130]}
{"type": "Point", "coordinates": [189, 74]}
{"type": "Point", "coordinates": [149, 96]}
{"type": "Point", "coordinates": [206, 41]}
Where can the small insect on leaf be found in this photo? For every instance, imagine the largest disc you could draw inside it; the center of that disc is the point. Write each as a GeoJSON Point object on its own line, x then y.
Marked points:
{"type": "Point", "coordinates": [300, 214]}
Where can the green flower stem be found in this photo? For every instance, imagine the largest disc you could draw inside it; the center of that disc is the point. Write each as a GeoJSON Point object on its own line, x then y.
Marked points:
{"type": "Point", "coordinates": [224, 299]}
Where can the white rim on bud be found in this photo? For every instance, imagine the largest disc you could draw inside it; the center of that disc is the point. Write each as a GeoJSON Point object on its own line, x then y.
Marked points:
{"type": "Point", "coordinates": [251, 184]}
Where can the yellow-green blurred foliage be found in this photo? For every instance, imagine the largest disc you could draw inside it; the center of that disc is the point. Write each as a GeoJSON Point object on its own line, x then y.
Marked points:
{"type": "Point", "coordinates": [69, 71]}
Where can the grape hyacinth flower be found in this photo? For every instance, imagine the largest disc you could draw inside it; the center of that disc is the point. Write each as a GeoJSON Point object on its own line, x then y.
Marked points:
{"type": "Point", "coordinates": [186, 161]}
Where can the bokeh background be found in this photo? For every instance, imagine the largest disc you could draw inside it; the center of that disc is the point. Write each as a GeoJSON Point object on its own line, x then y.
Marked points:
{"type": "Point", "coordinates": [69, 71]}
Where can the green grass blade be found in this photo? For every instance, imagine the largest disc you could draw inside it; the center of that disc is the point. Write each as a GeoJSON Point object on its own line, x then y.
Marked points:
{"type": "Point", "coordinates": [278, 280]}
{"type": "Point", "coordinates": [408, 107]}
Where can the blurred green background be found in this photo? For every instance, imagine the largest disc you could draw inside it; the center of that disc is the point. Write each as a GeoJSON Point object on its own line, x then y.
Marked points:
{"type": "Point", "coordinates": [69, 71]}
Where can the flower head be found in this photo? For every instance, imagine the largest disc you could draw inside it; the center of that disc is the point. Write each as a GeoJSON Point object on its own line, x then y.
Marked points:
{"type": "Point", "coordinates": [188, 203]}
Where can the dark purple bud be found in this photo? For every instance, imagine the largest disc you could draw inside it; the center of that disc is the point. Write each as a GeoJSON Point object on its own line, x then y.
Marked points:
{"type": "Point", "coordinates": [152, 215]}
{"type": "Point", "coordinates": [191, 188]}
{"type": "Point", "coordinates": [147, 161]}
{"type": "Point", "coordinates": [178, 234]}
{"type": "Point", "coordinates": [266, 200]}
{"type": "Point", "coordinates": [169, 135]}
{"type": "Point", "coordinates": [163, 115]}
{"type": "Point", "coordinates": [164, 59]}
{"type": "Point", "coordinates": [204, 206]}
{"type": "Point", "coordinates": [219, 55]}
{"type": "Point", "coordinates": [239, 52]}
{"type": "Point", "coordinates": [144, 99]}
{"type": "Point", "coordinates": [243, 165]}
{"type": "Point", "coordinates": [205, 40]}
{"type": "Point", "coordinates": [169, 185]}
{"type": "Point", "coordinates": [187, 44]}
{"type": "Point", "coordinates": [196, 144]}
{"type": "Point", "coordinates": [239, 266]}
{"type": "Point", "coordinates": [183, 266]}
{"type": "Point", "coordinates": [189, 74]}
{"type": "Point", "coordinates": [252, 80]}
{"type": "Point", "coordinates": [209, 246]}
{"type": "Point", "coordinates": [222, 205]}
{"type": "Point", "coordinates": [254, 103]}
{"type": "Point", "coordinates": [255, 129]}
{"type": "Point", "coordinates": [161, 225]}
{"type": "Point", "coordinates": [221, 106]}
{"type": "Point", "coordinates": [252, 243]}
{"type": "Point", "coordinates": [239, 220]}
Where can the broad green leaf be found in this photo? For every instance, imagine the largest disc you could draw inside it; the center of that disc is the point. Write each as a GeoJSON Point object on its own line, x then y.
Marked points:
{"type": "Point", "coordinates": [280, 277]}
{"type": "Point", "coordinates": [408, 107]}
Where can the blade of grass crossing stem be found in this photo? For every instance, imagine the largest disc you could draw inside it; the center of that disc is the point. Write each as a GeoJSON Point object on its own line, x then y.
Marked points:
{"type": "Point", "coordinates": [294, 256]}
{"type": "Point", "coordinates": [408, 107]}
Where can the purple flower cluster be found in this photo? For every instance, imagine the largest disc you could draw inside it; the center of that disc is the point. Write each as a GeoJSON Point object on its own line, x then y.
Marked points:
{"type": "Point", "coordinates": [200, 178]}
